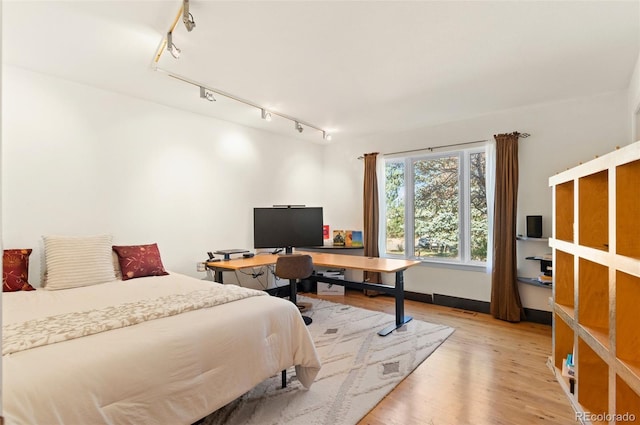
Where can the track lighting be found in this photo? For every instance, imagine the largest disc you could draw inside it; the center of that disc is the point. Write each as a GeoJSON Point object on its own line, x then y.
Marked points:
{"type": "Point", "coordinates": [187, 18]}
{"type": "Point", "coordinates": [326, 136]}
{"type": "Point", "coordinates": [266, 115]}
{"type": "Point", "coordinates": [207, 94]}
{"type": "Point", "coordinates": [172, 48]}
{"type": "Point", "coordinates": [299, 127]}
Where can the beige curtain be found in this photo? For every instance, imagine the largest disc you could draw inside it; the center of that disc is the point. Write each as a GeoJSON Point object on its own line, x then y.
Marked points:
{"type": "Point", "coordinates": [505, 298]}
{"type": "Point", "coordinates": [371, 216]}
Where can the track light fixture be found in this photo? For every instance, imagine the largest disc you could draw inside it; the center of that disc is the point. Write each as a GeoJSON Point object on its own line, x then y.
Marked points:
{"type": "Point", "coordinates": [187, 18]}
{"type": "Point", "coordinates": [207, 94]}
{"type": "Point", "coordinates": [172, 48]}
{"type": "Point", "coordinates": [266, 115]}
{"type": "Point", "coordinates": [299, 127]}
{"type": "Point", "coordinates": [326, 136]}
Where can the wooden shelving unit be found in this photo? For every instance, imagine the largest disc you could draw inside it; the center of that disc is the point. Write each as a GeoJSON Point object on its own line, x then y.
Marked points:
{"type": "Point", "coordinates": [596, 289]}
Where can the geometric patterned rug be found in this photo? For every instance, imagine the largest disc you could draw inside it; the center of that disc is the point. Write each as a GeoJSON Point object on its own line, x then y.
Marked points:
{"type": "Point", "coordinates": [359, 368]}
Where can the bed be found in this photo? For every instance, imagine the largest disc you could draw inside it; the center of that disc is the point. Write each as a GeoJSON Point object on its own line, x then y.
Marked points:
{"type": "Point", "coordinates": [111, 353]}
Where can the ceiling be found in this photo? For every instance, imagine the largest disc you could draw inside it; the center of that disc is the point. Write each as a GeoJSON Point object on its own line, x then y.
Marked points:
{"type": "Point", "coordinates": [350, 67]}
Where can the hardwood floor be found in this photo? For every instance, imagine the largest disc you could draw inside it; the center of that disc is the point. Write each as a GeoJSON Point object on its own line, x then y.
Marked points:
{"type": "Point", "coordinates": [488, 372]}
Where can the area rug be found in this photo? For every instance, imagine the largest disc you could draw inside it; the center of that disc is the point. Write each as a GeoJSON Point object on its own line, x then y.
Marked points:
{"type": "Point", "coordinates": [359, 368]}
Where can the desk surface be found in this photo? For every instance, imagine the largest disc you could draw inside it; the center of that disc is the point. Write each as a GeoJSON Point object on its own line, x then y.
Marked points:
{"type": "Point", "coordinates": [383, 265]}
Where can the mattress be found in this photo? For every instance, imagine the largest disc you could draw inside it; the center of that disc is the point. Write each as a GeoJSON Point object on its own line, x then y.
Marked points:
{"type": "Point", "coordinates": [174, 369]}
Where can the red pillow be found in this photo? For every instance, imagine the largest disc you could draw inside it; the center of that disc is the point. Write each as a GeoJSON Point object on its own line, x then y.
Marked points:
{"type": "Point", "coordinates": [15, 270]}
{"type": "Point", "coordinates": [140, 261]}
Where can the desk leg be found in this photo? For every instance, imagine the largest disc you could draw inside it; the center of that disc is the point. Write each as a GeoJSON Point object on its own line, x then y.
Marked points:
{"type": "Point", "coordinates": [401, 319]}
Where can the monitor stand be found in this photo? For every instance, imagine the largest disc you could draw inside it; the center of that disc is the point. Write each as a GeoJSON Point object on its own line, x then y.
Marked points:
{"type": "Point", "coordinates": [227, 252]}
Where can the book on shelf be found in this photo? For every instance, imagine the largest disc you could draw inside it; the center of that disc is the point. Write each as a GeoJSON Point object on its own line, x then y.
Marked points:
{"type": "Point", "coordinates": [338, 238]}
{"type": "Point", "coordinates": [543, 278]}
{"type": "Point", "coordinates": [568, 368]}
{"type": "Point", "coordinates": [356, 238]}
{"type": "Point", "coordinates": [326, 232]}
{"type": "Point", "coordinates": [348, 237]}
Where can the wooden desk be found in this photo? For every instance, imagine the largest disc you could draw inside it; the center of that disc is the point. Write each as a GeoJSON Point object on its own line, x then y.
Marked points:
{"type": "Point", "coordinates": [342, 261]}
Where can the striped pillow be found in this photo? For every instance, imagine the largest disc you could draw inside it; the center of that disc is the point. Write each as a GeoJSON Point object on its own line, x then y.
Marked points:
{"type": "Point", "coordinates": [77, 261]}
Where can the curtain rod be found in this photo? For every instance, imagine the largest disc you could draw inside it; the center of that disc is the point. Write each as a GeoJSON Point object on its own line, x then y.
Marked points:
{"type": "Point", "coordinates": [431, 148]}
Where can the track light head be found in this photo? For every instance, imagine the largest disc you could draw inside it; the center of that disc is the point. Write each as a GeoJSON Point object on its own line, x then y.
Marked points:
{"type": "Point", "coordinates": [187, 18]}
{"type": "Point", "coordinates": [206, 94]}
{"type": "Point", "coordinates": [326, 136]}
{"type": "Point", "coordinates": [266, 115]}
{"type": "Point", "coordinates": [299, 127]}
{"type": "Point", "coordinates": [172, 48]}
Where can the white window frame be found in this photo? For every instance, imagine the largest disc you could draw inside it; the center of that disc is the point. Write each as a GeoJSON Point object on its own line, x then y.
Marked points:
{"type": "Point", "coordinates": [464, 219]}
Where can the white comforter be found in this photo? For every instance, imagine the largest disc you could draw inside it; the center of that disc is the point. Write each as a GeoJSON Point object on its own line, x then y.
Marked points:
{"type": "Point", "coordinates": [172, 370]}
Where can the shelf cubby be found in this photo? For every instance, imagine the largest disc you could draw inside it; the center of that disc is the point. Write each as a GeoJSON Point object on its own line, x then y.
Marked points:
{"type": "Point", "coordinates": [564, 340]}
{"type": "Point", "coordinates": [627, 401]}
{"type": "Point", "coordinates": [627, 304]}
{"type": "Point", "coordinates": [627, 207]}
{"type": "Point", "coordinates": [593, 215]}
{"type": "Point", "coordinates": [564, 211]}
{"type": "Point", "coordinates": [564, 279]}
{"type": "Point", "coordinates": [593, 295]}
{"type": "Point", "coordinates": [593, 380]}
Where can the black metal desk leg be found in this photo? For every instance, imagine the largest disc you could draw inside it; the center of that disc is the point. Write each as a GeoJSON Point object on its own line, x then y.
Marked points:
{"type": "Point", "coordinates": [401, 319]}
{"type": "Point", "coordinates": [293, 291]}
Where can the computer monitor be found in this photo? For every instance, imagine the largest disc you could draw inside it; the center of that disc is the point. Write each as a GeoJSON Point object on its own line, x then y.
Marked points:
{"type": "Point", "coordinates": [287, 227]}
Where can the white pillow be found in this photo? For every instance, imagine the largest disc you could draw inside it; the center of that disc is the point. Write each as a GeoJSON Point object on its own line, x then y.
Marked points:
{"type": "Point", "coordinates": [77, 261]}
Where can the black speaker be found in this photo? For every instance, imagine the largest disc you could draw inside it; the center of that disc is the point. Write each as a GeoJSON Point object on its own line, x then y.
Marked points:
{"type": "Point", "coordinates": [534, 226]}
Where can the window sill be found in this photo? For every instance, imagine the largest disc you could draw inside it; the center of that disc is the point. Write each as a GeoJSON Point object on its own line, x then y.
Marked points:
{"type": "Point", "coordinates": [444, 264]}
{"type": "Point", "coordinates": [455, 266]}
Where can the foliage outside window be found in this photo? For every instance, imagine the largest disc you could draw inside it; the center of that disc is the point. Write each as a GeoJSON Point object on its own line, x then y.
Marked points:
{"type": "Point", "coordinates": [436, 207]}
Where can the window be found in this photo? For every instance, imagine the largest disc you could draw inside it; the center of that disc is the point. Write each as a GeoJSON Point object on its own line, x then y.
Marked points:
{"type": "Point", "coordinates": [436, 207]}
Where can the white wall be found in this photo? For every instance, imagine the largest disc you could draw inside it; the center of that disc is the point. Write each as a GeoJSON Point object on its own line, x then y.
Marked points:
{"type": "Point", "coordinates": [79, 161]}
{"type": "Point", "coordinates": [634, 101]}
{"type": "Point", "coordinates": [562, 135]}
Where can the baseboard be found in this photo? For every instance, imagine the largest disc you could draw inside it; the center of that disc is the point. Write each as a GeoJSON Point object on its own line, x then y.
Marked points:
{"type": "Point", "coordinates": [418, 296]}
{"type": "Point", "coordinates": [532, 315]}
{"type": "Point", "coordinates": [538, 316]}
{"type": "Point", "coordinates": [461, 303]}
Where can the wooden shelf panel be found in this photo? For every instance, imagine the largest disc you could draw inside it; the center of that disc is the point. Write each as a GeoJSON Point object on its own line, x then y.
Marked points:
{"type": "Point", "coordinates": [627, 305]}
{"type": "Point", "coordinates": [630, 373]}
{"type": "Point", "coordinates": [627, 401]}
{"type": "Point", "coordinates": [593, 382]}
{"type": "Point", "coordinates": [593, 293]}
{"type": "Point", "coordinates": [567, 313]}
{"type": "Point", "coordinates": [591, 254]}
{"type": "Point", "coordinates": [563, 279]}
{"type": "Point", "coordinates": [627, 207]}
{"type": "Point", "coordinates": [628, 265]}
{"type": "Point", "coordinates": [564, 216]}
{"type": "Point", "coordinates": [593, 215]}
{"type": "Point", "coordinates": [597, 338]}
{"type": "Point", "coordinates": [564, 340]}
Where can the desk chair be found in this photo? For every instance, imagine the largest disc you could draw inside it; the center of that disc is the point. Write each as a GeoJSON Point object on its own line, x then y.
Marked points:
{"type": "Point", "coordinates": [294, 267]}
